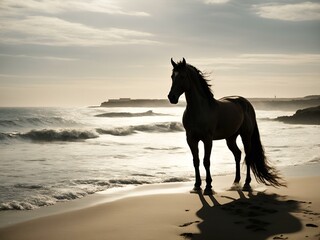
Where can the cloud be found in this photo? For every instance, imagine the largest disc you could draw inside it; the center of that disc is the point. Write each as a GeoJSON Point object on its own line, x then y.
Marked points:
{"type": "Point", "coordinates": [38, 57]}
{"type": "Point", "coordinates": [258, 59]}
{"type": "Point", "coordinates": [53, 31]}
{"type": "Point", "coordinates": [23, 22]}
{"type": "Point", "coordinates": [9, 7]}
{"type": "Point", "coordinates": [215, 1]}
{"type": "Point", "coordinates": [306, 11]}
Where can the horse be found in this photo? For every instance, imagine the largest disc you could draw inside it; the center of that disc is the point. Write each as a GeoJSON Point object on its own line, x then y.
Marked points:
{"type": "Point", "coordinates": [206, 119]}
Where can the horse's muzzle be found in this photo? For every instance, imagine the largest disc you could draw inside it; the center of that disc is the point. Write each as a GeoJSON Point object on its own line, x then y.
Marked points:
{"type": "Point", "coordinates": [173, 99]}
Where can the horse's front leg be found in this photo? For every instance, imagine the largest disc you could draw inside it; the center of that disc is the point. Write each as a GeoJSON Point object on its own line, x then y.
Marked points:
{"type": "Point", "coordinates": [193, 145]}
{"type": "Point", "coordinates": [206, 163]}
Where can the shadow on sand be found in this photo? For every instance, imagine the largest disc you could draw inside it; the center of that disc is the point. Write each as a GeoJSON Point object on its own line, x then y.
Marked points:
{"type": "Point", "coordinates": [257, 216]}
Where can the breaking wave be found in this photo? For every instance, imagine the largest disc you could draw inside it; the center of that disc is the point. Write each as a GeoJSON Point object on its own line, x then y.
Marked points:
{"type": "Point", "coordinates": [50, 135]}
{"type": "Point", "coordinates": [46, 195]}
{"type": "Point", "coordinates": [128, 182]}
{"type": "Point", "coordinates": [72, 135]}
{"type": "Point", "coordinates": [121, 131]}
{"type": "Point", "coordinates": [47, 198]}
{"type": "Point", "coordinates": [176, 179]}
{"type": "Point", "coordinates": [27, 205]}
{"type": "Point", "coordinates": [28, 186]}
{"type": "Point", "coordinates": [58, 135]}
{"type": "Point", "coordinates": [37, 122]}
{"type": "Point", "coordinates": [128, 114]}
{"type": "Point", "coordinates": [156, 127]}
{"type": "Point", "coordinates": [5, 136]}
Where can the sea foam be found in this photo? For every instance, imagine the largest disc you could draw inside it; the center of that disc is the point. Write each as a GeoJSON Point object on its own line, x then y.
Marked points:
{"type": "Point", "coordinates": [151, 128]}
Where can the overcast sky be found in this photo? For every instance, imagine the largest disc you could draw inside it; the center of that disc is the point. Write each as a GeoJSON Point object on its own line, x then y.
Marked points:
{"type": "Point", "coordinates": [82, 52]}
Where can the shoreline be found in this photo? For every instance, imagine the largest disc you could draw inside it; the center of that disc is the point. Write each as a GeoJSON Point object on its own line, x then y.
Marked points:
{"type": "Point", "coordinates": [302, 185]}
{"type": "Point", "coordinates": [220, 183]}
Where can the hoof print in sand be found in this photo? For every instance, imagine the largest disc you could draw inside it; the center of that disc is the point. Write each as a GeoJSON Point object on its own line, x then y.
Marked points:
{"type": "Point", "coordinates": [188, 223]}
{"type": "Point", "coordinates": [311, 225]}
{"type": "Point", "coordinates": [280, 237]}
{"type": "Point", "coordinates": [186, 235]}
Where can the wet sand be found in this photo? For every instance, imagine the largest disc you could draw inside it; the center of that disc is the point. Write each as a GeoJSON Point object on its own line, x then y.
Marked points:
{"type": "Point", "coordinates": [169, 211]}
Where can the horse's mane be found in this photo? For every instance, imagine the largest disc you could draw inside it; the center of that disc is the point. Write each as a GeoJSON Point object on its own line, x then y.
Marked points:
{"type": "Point", "coordinates": [206, 86]}
{"type": "Point", "coordinates": [204, 83]}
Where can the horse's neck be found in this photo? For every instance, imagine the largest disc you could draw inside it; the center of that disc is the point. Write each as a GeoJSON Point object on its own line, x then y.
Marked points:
{"type": "Point", "coordinates": [196, 99]}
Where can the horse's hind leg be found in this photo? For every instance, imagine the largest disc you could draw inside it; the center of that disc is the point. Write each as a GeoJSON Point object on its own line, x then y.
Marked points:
{"type": "Point", "coordinates": [193, 145]}
{"type": "Point", "coordinates": [247, 148]}
{"type": "Point", "coordinates": [232, 145]}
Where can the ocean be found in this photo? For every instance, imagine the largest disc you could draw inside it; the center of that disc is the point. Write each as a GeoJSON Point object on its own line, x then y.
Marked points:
{"type": "Point", "coordinates": [50, 155]}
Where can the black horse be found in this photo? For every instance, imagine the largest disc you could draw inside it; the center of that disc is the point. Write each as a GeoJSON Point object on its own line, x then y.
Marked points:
{"type": "Point", "coordinates": [206, 119]}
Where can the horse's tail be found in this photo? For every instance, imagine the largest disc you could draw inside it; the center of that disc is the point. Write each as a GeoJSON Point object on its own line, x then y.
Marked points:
{"type": "Point", "coordinates": [261, 168]}
{"type": "Point", "coordinates": [255, 156]}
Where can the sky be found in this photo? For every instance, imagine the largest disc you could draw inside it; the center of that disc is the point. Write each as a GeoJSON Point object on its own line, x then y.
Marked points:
{"type": "Point", "coordinates": [83, 52]}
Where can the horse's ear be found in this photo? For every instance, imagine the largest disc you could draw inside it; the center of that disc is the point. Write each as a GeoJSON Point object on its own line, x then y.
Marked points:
{"type": "Point", "coordinates": [184, 62]}
{"type": "Point", "coordinates": [173, 63]}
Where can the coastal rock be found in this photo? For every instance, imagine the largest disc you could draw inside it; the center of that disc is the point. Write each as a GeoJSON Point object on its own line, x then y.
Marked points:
{"type": "Point", "coordinates": [303, 116]}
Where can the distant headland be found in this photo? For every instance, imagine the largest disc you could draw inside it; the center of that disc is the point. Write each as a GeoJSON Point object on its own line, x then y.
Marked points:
{"type": "Point", "coordinates": [309, 115]}
{"type": "Point", "coordinates": [291, 104]}
{"type": "Point", "coordinates": [285, 104]}
{"type": "Point", "coordinates": [128, 102]}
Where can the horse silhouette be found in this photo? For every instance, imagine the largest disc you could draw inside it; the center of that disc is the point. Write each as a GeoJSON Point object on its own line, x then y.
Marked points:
{"type": "Point", "coordinates": [206, 119]}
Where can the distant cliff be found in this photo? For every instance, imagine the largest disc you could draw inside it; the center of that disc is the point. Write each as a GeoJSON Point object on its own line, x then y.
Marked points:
{"type": "Point", "coordinates": [285, 103]}
{"type": "Point", "coordinates": [127, 102]}
{"type": "Point", "coordinates": [303, 116]}
{"type": "Point", "coordinates": [258, 103]}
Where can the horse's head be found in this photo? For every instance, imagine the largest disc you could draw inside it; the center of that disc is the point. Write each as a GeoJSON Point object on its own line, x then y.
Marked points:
{"type": "Point", "coordinates": [179, 81]}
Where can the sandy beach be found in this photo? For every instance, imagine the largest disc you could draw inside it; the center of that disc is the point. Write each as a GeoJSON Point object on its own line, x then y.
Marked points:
{"type": "Point", "coordinates": [169, 211]}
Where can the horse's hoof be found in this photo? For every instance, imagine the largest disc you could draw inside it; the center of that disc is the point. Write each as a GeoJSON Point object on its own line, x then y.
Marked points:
{"type": "Point", "coordinates": [247, 188]}
{"type": "Point", "coordinates": [235, 187]}
{"type": "Point", "coordinates": [196, 190]}
{"type": "Point", "coordinates": [208, 191]}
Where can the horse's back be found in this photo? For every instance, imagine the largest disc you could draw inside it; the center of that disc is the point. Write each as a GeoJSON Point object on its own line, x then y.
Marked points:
{"type": "Point", "coordinates": [232, 105]}
{"type": "Point", "coordinates": [249, 118]}
{"type": "Point", "coordinates": [238, 101]}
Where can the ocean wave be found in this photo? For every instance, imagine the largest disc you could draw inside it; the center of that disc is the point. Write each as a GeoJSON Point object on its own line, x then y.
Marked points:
{"type": "Point", "coordinates": [141, 175]}
{"type": "Point", "coordinates": [95, 182]}
{"type": "Point", "coordinates": [175, 179]}
{"type": "Point", "coordinates": [16, 205]}
{"type": "Point", "coordinates": [69, 195]}
{"type": "Point", "coordinates": [42, 195]}
{"type": "Point", "coordinates": [49, 196]}
{"type": "Point", "coordinates": [161, 127]}
{"type": "Point", "coordinates": [128, 114]}
{"type": "Point", "coordinates": [163, 149]}
{"type": "Point", "coordinates": [37, 122]}
{"type": "Point", "coordinates": [28, 186]}
{"type": "Point", "coordinates": [121, 131]}
{"type": "Point", "coordinates": [128, 182]}
{"type": "Point", "coordinates": [46, 199]}
{"type": "Point", "coordinates": [28, 204]}
{"type": "Point", "coordinates": [51, 135]}
{"type": "Point", "coordinates": [71, 135]}
{"type": "Point", "coordinates": [46, 196]}
{"type": "Point", "coordinates": [5, 136]}
{"type": "Point", "coordinates": [156, 127]}
{"type": "Point", "coordinates": [9, 123]}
